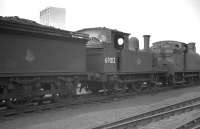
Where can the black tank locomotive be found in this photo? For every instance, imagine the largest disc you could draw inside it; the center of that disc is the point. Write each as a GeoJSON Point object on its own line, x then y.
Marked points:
{"type": "Point", "coordinates": [119, 65]}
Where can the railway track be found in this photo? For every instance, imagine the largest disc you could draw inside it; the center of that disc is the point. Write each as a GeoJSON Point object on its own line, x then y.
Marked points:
{"type": "Point", "coordinates": [79, 100]}
{"type": "Point", "coordinates": [87, 99]}
{"type": "Point", "coordinates": [192, 124]}
{"type": "Point", "coordinates": [154, 115]}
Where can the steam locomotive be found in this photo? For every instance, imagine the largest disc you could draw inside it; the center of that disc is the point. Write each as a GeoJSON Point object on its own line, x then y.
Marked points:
{"type": "Point", "coordinates": [40, 63]}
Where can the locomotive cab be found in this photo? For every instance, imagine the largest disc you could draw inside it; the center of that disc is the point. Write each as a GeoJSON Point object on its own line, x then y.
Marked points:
{"type": "Point", "coordinates": [104, 49]}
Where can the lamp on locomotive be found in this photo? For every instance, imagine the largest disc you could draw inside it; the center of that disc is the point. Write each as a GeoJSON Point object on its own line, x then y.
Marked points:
{"type": "Point", "coordinates": [119, 41]}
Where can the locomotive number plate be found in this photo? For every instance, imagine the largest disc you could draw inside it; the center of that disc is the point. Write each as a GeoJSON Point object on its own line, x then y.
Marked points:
{"type": "Point", "coordinates": [110, 60]}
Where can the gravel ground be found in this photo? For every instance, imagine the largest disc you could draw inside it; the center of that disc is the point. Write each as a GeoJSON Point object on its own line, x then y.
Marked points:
{"type": "Point", "coordinates": [91, 115]}
{"type": "Point", "coordinates": [173, 122]}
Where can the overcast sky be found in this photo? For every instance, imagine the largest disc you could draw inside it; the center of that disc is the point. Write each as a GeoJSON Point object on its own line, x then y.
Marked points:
{"type": "Point", "coordinates": [162, 19]}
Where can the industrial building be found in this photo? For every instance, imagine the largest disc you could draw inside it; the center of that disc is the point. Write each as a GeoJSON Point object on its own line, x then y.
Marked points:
{"type": "Point", "coordinates": [53, 16]}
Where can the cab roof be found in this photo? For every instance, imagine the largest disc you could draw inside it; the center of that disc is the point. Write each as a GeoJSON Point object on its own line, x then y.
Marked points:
{"type": "Point", "coordinates": [103, 28]}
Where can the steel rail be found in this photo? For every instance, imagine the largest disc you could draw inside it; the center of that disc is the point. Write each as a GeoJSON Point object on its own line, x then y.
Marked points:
{"type": "Point", "coordinates": [148, 117]}
{"type": "Point", "coordinates": [90, 99]}
{"type": "Point", "coordinates": [193, 124]}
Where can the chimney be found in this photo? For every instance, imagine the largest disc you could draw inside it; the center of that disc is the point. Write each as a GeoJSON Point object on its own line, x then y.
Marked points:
{"type": "Point", "coordinates": [146, 41]}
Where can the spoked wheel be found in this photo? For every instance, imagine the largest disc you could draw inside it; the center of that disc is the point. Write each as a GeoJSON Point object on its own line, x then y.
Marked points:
{"type": "Point", "coordinates": [171, 81]}
{"type": "Point", "coordinates": [112, 87]}
{"type": "Point", "coordinates": [137, 87]}
{"type": "Point", "coordinates": [55, 99]}
{"type": "Point", "coordinates": [10, 105]}
{"type": "Point", "coordinates": [130, 87]}
{"type": "Point", "coordinates": [153, 87]}
{"type": "Point", "coordinates": [191, 81]}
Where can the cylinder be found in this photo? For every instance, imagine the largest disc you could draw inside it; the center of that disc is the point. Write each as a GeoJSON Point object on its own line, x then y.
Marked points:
{"type": "Point", "coordinates": [146, 41]}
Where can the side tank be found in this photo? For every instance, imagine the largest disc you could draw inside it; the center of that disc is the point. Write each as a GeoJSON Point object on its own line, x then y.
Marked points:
{"type": "Point", "coordinates": [135, 60]}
